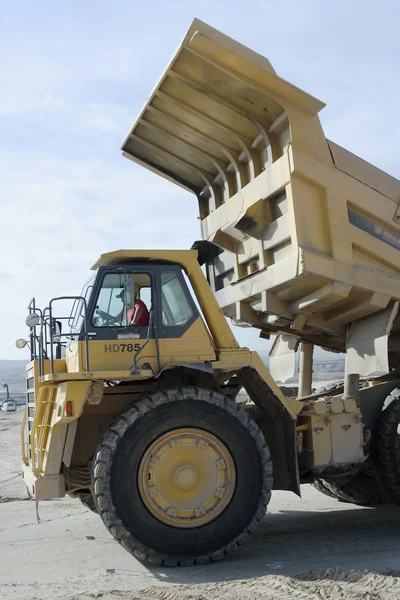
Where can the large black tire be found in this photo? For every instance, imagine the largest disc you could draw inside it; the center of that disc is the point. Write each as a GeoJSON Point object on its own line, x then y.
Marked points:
{"type": "Point", "coordinates": [88, 501]}
{"type": "Point", "coordinates": [117, 492]}
{"type": "Point", "coordinates": [362, 489]}
{"type": "Point", "coordinates": [331, 389]}
{"type": "Point", "coordinates": [321, 486]}
{"type": "Point", "coordinates": [387, 449]}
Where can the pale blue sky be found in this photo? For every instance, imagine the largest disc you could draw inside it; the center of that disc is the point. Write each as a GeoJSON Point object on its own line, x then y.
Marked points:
{"type": "Point", "coordinates": [74, 75]}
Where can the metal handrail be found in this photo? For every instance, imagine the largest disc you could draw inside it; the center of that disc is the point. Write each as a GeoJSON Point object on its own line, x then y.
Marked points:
{"type": "Point", "coordinates": [149, 330]}
{"type": "Point", "coordinates": [34, 337]}
{"type": "Point", "coordinates": [70, 335]}
{"type": "Point", "coordinates": [41, 354]}
{"type": "Point", "coordinates": [47, 322]}
{"type": "Point", "coordinates": [24, 442]}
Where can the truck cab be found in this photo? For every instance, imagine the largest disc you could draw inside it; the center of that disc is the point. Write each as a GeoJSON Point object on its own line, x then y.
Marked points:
{"type": "Point", "coordinates": [137, 315]}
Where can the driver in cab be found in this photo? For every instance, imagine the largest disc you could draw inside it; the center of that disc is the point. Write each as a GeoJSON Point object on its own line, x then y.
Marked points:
{"type": "Point", "coordinates": [136, 310]}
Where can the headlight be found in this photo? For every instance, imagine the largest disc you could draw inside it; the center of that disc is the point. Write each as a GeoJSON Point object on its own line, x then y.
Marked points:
{"type": "Point", "coordinates": [21, 343]}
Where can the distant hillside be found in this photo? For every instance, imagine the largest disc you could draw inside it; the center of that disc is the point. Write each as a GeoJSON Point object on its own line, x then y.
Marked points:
{"type": "Point", "coordinates": [12, 364]}
{"type": "Point", "coordinates": [12, 372]}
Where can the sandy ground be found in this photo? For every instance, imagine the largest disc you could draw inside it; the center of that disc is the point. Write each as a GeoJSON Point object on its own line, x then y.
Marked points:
{"type": "Point", "coordinates": [309, 548]}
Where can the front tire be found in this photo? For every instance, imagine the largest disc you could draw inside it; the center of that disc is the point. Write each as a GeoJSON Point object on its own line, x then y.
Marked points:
{"type": "Point", "coordinates": [182, 477]}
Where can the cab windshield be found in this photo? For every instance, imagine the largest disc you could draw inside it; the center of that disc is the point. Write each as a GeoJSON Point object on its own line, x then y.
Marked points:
{"type": "Point", "coordinates": [124, 300]}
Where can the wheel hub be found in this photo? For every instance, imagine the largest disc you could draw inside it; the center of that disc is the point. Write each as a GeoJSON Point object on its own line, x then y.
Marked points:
{"type": "Point", "coordinates": [186, 477]}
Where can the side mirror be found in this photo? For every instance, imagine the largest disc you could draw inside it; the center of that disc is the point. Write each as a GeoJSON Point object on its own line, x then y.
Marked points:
{"type": "Point", "coordinates": [32, 320]}
{"type": "Point", "coordinates": [21, 343]}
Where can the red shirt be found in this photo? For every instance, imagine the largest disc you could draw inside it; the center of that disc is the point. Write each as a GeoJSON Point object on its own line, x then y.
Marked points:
{"type": "Point", "coordinates": [138, 315]}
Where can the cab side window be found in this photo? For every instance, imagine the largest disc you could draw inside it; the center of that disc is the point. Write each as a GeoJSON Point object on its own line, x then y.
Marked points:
{"type": "Point", "coordinates": [176, 309]}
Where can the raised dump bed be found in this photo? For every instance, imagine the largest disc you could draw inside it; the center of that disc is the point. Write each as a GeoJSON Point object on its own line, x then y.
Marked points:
{"type": "Point", "coordinates": [305, 235]}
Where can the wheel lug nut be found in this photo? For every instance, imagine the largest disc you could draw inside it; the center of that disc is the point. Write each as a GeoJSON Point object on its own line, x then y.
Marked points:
{"type": "Point", "coordinates": [202, 443]}
{"type": "Point", "coordinates": [219, 492]}
{"type": "Point", "coordinates": [171, 511]}
{"type": "Point", "coordinates": [221, 463]}
{"type": "Point", "coordinates": [199, 512]}
{"type": "Point", "coordinates": [153, 491]}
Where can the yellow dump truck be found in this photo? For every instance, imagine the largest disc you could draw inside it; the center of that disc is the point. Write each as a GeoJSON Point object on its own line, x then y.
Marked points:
{"type": "Point", "coordinates": [132, 389]}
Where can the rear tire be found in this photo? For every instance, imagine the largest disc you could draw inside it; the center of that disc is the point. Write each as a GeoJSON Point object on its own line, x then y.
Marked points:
{"type": "Point", "coordinates": [387, 450]}
{"type": "Point", "coordinates": [362, 489]}
{"type": "Point", "coordinates": [141, 436]}
{"type": "Point", "coordinates": [321, 486]}
{"type": "Point", "coordinates": [88, 501]}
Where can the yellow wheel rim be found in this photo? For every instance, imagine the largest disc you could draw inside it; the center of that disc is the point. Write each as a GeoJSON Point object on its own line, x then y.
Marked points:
{"type": "Point", "coordinates": [186, 477]}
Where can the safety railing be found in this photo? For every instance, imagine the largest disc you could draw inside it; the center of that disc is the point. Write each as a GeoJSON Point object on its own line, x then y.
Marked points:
{"type": "Point", "coordinates": [47, 337]}
{"type": "Point", "coordinates": [79, 309]}
{"type": "Point", "coordinates": [24, 439]}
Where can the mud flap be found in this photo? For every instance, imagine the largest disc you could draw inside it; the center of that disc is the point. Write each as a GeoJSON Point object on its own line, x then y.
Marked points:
{"type": "Point", "coordinates": [279, 428]}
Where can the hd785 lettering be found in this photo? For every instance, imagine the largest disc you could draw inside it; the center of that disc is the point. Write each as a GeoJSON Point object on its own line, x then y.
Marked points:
{"type": "Point", "coordinates": [121, 347]}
